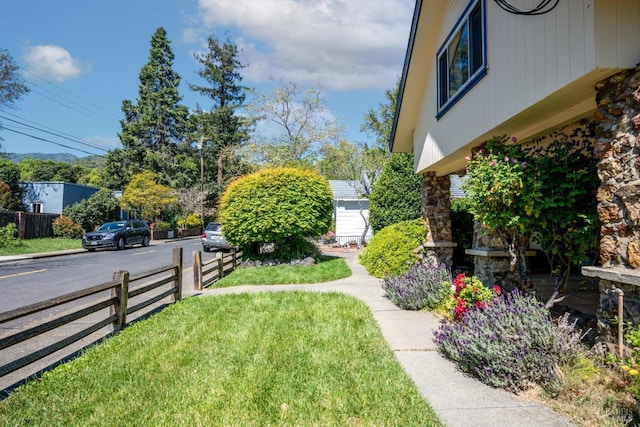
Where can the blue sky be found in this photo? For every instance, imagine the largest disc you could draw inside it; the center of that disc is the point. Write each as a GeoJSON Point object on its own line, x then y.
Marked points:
{"type": "Point", "coordinates": [82, 58]}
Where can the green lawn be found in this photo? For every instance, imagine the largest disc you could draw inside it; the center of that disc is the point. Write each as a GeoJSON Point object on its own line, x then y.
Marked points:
{"type": "Point", "coordinates": [328, 269]}
{"type": "Point", "coordinates": [284, 358]}
{"type": "Point", "coordinates": [33, 246]}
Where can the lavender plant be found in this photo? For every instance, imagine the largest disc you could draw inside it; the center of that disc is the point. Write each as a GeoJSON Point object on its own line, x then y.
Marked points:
{"type": "Point", "coordinates": [423, 286]}
{"type": "Point", "coordinates": [510, 343]}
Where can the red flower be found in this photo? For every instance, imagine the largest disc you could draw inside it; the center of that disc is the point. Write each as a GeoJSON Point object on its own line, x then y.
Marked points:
{"type": "Point", "coordinates": [479, 304]}
{"type": "Point", "coordinates": [497, 289]}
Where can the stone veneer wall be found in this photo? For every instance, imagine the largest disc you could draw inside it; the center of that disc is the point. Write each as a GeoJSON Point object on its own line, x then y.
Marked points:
{"type": "Point", "coordinates": [436, 211]}
{"type": "Point", "coordinates": [489, 269]}
{"type": "Point", "coordinates": [618, 150]}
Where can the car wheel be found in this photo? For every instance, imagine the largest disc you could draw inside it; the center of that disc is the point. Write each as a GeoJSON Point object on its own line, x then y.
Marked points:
{"type": "Point", "coordinates": [145, 241]}
{"type": "Point", "coordinates": [206, 249]}
{"type": "Point", "coordinates": [91, 249]}
{"type": "Point", "coordinates": [120, 243]}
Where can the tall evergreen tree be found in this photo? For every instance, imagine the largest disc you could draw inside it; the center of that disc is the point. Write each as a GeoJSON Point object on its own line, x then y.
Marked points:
{"type": "Point", "coordinates": [221, 128]}
{"type": "Point", "coordinates": [153, 130]}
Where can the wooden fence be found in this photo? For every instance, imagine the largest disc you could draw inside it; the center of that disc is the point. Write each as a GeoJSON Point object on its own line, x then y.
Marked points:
{"type": "Point", "coordinates": [123, 289]}
{"type": "Point", "coordinates": [30, 225]}
{"type": "Point", "coordinates": [208, 272]}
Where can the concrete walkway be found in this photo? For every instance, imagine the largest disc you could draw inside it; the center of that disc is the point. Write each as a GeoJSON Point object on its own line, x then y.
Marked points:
{"type": "Point", "coordinates": [457, 399]}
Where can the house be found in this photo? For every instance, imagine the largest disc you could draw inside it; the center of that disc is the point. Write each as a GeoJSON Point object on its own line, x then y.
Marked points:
{"type": "Point", "coordinates": [53, 197]}
{"type": "Point", "coordinates": [350, 211]}
{"type": "Point", "coordinates": [475, 69]}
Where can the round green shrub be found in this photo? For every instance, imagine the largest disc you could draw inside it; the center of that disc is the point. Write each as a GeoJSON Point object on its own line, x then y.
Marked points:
{"type": "Point", "coordinates": [391, 250]}
{"type": "Point", "coordinates": [279, 205]}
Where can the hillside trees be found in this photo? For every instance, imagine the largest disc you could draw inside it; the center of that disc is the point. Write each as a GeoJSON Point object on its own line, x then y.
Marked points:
{"type": "Point", "coordinates": [50, 170]}
{"type": "Point", "coordinates": [153, 129]}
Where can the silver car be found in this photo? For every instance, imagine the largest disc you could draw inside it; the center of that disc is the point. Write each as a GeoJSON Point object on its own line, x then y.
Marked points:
{"type": "Point", "coordinates": [212, 238]}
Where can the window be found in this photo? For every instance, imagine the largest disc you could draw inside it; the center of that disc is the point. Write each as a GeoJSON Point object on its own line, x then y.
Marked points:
{"type": "Point", "coordinates": [37, 207]}
{"type": "Point", "coordinates": [461, 59]}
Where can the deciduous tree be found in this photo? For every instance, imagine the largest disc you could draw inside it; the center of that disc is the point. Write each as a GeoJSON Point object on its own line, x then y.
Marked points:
{"type": "Point", "coordinates": [145, 197]}
{"type": "Point", "coordinates": [298, 125]}
{"type": "Point", "coordinates": [12, 85]}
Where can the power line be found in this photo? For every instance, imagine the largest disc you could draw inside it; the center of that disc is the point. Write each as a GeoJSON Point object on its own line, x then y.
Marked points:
{"type": "Point", "coordinates": [68, 92]}
{"type": "Point", "coordinates": [56, 134]}
{"type": "Point", "coordinates": [53, 131]}
{"type": "Point", "coordinates": [48, 140]}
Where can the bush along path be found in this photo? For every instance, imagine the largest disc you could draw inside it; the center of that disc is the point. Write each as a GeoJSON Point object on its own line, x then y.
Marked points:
{"type": "Point", "coordinates": [456, 398]}
{"type": "Point", "coordinates": [508, 340]}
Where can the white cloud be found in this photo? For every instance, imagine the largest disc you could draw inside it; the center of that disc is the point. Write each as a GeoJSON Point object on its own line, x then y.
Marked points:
{"type": "Point", "coordinates": [53, 63]}
{"type": "Point", "coordinates": [347, 44]}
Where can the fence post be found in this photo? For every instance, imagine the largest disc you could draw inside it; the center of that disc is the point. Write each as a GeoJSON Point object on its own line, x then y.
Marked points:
{"type": "Point", "coordinates": [220, 258]}
{"type": "Point", "coordinates": [22, 225]}
{"type": "Point", "coordinates": [197, 270]}
{"type": "Point", "coordinates": [121, 295]}
{"type": "Point", "coordinates": [233, 252]}
{"type": "Point", "coordinates": [177, 260]}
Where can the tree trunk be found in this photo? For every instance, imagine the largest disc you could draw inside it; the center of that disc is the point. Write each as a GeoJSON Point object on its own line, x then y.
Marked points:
{"type": "Point", "coordinates": [220, 171]}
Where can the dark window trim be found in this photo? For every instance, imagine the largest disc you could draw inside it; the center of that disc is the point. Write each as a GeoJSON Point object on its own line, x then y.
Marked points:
{"type": "Point", "coordinates": [478, 75]}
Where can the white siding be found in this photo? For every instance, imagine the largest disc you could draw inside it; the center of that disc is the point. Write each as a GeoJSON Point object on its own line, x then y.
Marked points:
{"type": "Point", "coordinates": [349, 222]}
{"type": "Point", "coordinates": [541, 71]}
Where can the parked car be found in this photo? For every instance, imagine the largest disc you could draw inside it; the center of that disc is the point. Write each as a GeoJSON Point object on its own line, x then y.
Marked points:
{"type": "Point", "coordinates": [118, 234]}
{"type": "Point", "coordinates": [212, 238]}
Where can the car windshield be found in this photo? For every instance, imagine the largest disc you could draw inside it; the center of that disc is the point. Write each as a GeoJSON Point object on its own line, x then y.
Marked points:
{"type": "Point", "coordinates": [111, 226]}
{"type": "Point", "coordinates": [213, 227]}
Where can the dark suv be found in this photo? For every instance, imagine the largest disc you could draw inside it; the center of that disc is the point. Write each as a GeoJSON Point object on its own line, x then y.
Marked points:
{"type": "Point", "coordinates": [117, 235]}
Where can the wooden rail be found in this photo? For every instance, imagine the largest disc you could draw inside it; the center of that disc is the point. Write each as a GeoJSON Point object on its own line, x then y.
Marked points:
{"type": "Point", "coordinates": [123, 288]}
{"type": "Point", "coordinates": [206, 273]}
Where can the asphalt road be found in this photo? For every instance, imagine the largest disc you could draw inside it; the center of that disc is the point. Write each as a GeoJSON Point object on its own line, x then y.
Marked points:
{"type": "Point", "coordinates": [26, 282]}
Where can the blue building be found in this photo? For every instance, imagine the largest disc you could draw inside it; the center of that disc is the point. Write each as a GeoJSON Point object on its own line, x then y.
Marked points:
{"type": "Point", "coordinates": [53, 197]}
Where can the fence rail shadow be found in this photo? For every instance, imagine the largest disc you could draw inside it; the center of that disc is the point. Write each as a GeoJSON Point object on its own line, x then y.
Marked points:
{"type": "Point", "coordinates": [78, 316]}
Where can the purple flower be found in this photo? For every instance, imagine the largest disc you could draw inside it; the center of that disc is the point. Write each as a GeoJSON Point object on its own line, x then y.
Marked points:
{"type": "Point", "coordinates": [515, 161]}
{"type": "Point", "coordinates": [514, 139]}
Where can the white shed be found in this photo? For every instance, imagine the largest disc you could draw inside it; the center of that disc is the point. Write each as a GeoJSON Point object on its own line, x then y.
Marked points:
{"type": "Point", "coordinates": [350, 212]}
